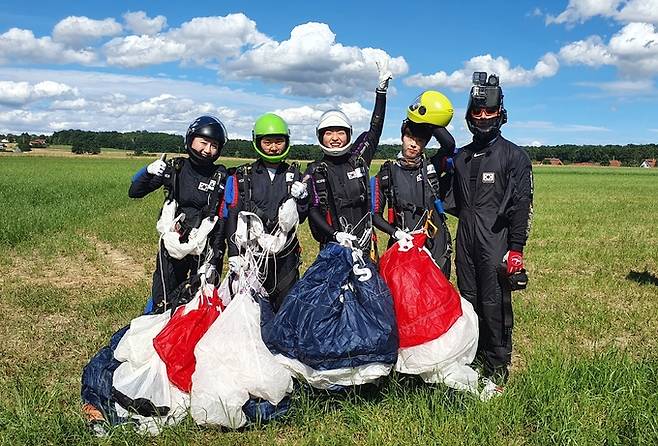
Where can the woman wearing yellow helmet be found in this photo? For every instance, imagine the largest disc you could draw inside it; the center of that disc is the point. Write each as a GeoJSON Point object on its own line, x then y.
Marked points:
{"type": "Point", "coordinates": [413, 186]}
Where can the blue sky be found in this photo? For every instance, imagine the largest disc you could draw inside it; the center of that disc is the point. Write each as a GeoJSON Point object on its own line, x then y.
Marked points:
{"type": "Point", "coordinates": [576, 71]}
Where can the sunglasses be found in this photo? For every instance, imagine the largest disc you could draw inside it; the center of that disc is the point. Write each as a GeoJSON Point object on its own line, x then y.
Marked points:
{"type": "Point", "coordinates": [485, 113]}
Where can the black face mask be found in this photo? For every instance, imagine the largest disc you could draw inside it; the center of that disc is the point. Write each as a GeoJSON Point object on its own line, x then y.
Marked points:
{"type": "Point", "coordinates": [484, 130]}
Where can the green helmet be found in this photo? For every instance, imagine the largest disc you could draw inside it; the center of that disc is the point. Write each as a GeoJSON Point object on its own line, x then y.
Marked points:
{"type": "Point", "coordinates": [270, 125]}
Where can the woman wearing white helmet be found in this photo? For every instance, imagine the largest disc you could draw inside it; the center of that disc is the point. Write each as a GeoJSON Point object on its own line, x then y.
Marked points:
{"type": "Point", "coordinates": [339, 193]}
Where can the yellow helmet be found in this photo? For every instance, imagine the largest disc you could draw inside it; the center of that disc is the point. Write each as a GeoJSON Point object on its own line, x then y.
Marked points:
{"type": "Point", "coordinates": [431, 107]}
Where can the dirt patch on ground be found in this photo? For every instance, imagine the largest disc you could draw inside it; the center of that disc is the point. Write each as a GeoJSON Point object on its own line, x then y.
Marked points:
{"type": "Point", "coordinates": [103, 267]}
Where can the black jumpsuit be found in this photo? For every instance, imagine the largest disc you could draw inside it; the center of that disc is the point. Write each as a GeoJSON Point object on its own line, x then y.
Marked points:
{"type": "Point", "coordinates": [492, 196]}
{"type": "Point", "coordinates": [263, 199]}
{"type": "Point", "coordinates": [413, 198]}
{"type": "Point", "coordinates": [347, 181]}
{"type": "Point", "coordinates": [193, 192]}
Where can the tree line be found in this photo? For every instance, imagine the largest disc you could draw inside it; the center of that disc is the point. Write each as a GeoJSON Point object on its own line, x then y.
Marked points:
{"type": "Point", "coordinates": [83, 141]}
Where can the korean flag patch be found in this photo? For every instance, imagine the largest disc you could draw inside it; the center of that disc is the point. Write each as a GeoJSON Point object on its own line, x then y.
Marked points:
{"type": "Point", "coordinates": [488, 177]}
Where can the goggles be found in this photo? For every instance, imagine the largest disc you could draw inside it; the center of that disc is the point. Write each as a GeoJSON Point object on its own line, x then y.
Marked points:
{"type": "Point", "coordinates": [485, 113]}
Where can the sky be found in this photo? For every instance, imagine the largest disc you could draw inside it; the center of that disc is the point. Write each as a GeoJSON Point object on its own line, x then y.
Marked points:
{"type": "Point", "coordinates": [573, 72]}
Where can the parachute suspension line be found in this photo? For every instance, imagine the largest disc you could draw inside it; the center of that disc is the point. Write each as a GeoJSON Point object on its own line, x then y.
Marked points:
{"type": "Point", "coordinates": [162, 279]}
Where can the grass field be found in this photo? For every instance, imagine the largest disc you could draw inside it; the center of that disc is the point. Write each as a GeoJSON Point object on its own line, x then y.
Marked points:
{"type": "Point", "coordinates": [76, 257]}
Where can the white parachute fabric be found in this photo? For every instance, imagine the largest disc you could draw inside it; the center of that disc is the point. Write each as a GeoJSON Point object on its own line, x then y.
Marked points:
{"type": "Point", "coordinates": [444, 359]}
{"type": "Point", "coordinates": [288, 215]}
{"type": "Point", "coordinates": [329, 379]}
{"type": "Point", "coordinates": [142, 377]}
{"type": "Point", "coordinates": [180, 403]}
{"type": "Point", "coordinates": [233, 363]}
{"type": "Point", "coordinates": [250, 234]}
{"type": "Point", "coordinates": [167, 218]}
{"type": "Point", "coordinates": [196, 241]}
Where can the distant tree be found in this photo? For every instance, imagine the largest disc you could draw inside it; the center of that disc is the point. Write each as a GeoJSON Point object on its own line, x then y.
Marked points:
{"type": "Point", "coordinates": [24, 143]}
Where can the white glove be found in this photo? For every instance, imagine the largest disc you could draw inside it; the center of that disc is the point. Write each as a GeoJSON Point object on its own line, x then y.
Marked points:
{"type": "Point", "coordinates": [401, 236]}
{"type": "Point", "coordinates": [207, 270]}
{"type": "Point", "coordinates": [385, 75]}
{"type": "Point", "coordinates": [156, 168]}
{"type": "Point", "coordinates": [344, 238]}
{"type": "Point", "coordinates": [298, 190]}
{"type": "Point", "coordinates": [235, 264]}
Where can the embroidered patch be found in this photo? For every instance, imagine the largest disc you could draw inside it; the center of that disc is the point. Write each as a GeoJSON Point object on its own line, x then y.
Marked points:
{"type": "Point", "coordinates": [290, 177]}
{"type": "Point", "coordinates": [419, 178]}
{"type": "Point", "coordinates": [489, 177]}
{"type": "Point", "coordinates": [356, 173]}
{"type": "Point", "coordinates": [205, 187]}
{"type": "Point", "coordinates": [430, 168]}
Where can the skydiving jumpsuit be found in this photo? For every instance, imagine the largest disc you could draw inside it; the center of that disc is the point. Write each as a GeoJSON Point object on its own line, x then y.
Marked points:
{"type": "Point", "coordinates": [340, 187]}
{"type": "Point", "coordinates": [410, 194]}
{"type": "Point", "coordinates": [255, 191]}
{"type": "Point", "coordinates": [198, 191]}
{"type": "Point", "coordinates": [492, 196]}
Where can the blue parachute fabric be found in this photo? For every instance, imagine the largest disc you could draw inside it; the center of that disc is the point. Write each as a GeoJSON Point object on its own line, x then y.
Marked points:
{"type": "Point", "coordinates": [331, 320]}
{"type": "Point", "coordinates": [97, 379]}
{"type": "Point", "coordinates": [260, 411]}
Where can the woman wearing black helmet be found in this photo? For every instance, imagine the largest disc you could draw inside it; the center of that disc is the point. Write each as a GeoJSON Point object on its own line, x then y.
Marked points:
{"type": "Point", "coordinates": [191, 232]}
{"type": "Point", "coordinates": [413, 186]}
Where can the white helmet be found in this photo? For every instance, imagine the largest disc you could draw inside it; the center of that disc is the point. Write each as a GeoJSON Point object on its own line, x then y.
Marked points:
{"type": "Point", "coordinates": [334, 118]}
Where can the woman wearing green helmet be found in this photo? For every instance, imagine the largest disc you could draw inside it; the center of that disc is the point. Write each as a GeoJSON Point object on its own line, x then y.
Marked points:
{"type": "Point", "coordinates": [413, 186]}
{"type": "Point", "coordinates": [264, 188]}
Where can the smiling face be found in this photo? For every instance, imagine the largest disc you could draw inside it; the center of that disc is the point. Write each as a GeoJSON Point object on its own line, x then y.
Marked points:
{"type": "Point", "coordinates": [335, 137]}
{"type": "Point", "coordinates": [412, 146]}
{"type": "Point", "coordinates": [205, 147]}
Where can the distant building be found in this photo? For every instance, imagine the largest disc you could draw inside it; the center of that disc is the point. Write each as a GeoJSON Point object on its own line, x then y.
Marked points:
{"type": "Point", "coordinates": [39, 142]}
{"type": "Point", "coordinates": [615, 163]}
{"type": "Point", "coordinates": [648, 163]}
{"type": "Point", "coordinates": [552, 161]}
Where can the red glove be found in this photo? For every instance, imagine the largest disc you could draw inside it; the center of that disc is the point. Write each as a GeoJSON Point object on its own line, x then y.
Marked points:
{"type": "Point", "coordinates": [514, 262]}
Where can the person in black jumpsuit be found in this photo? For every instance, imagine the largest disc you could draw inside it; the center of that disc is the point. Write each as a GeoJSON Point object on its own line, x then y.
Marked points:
{"type": "Point", "coordinates": [261, 187]}
{"type": "Point", "coordinates": [492, 197]}
{"type": "Point", "coordinates": [406, 186]}
{"type": "Point", "coordinates": [194, 182]}
{"type": "Point", "coordinates": [340, 207]}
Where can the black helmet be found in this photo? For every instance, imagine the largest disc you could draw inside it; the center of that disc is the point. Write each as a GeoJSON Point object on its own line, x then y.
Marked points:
{"type": "Point", "coordinates": [422, 130]}
{"type": "Point", "coordinates": [486, 98]}
{"type": "Point", "coordinates": [208, 127]}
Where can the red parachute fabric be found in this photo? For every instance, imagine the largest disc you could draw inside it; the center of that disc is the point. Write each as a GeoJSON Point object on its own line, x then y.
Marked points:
{"type": "Point", "coordinates": [176, 342]}
{"type": "Point", "coordinates": [426, 303]}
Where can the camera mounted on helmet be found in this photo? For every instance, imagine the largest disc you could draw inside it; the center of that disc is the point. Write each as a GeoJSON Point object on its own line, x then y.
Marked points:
{"type": "Point", "coordinates": [485, 113]}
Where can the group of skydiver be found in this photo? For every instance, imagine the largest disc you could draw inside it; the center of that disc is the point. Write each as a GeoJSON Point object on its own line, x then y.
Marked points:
{"type": "Point", "coordinates": [487, 185]}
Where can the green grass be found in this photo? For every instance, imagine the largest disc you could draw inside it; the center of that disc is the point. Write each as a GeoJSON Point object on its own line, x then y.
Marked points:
{"type": "Point", "coordinates": [584, 366]}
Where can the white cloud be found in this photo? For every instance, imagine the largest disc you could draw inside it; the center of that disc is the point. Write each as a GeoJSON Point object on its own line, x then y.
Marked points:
{"type": "Point", "coordinates": [312, 63]}
{"type": "Point", "coordinates": [591, 51]}
{"type": "Point", "coordinates": [639, 11]}
{"type": "Point", "coordinates": [216, 38]}
{"type": "Point", "coordinates": [633, 49]}
{"type": "Point", "coordinates": [20, 93]}
{"type": "Point", "coordinates": [140, 51]}
{"type": "Point", "coordinates": [459, 80]}
{"type": "Point", "coordinates": [548, 125]}
{"type": "Point", "coordinates": [201, 40]}
{"type": "Point", "coordinates": [69, 104]}
{"type": "Point", "coordinates": [76, 31]}
{"type": "Point", "coordinates": [579, 11]}
{"type": "Point", "coordinates": [303, 119]}
{"type": "Point", "coordinates": [583, 10]}
{"type": "Point", "coordinates": [622, 87]}
{"type": "Point", "coordinates": [127, 102]}
{"type": "Point", "coordinates": [20, 45]}
{"type": "Point", "coordinates": [139, 23]}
